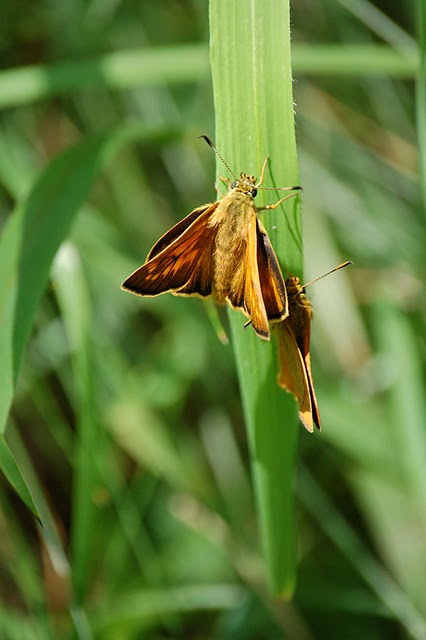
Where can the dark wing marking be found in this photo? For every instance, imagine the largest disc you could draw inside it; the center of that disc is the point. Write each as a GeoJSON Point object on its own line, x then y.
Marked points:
{"type": "Point", "coordinates": [271, 280]}
{"type": "Point", "coordinates": [314, 403]}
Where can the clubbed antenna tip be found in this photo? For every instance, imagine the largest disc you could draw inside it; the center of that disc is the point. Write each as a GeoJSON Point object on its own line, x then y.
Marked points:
{"type": "Point", "coordinates": [213, 146]}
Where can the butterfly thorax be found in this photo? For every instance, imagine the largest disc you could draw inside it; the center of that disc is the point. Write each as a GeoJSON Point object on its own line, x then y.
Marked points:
{"type": "Point", "coordinates": [298, 300]}
{"type": "Point", "coordinates": [235, 220]}
{"type": "Point", "coordinates": [300, 309]}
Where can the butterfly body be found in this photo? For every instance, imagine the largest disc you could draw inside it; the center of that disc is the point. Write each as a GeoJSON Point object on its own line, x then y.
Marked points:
{"type": "Point", "coordinates": [233, 222]}
{"type": "Point", "coordinates": [293, 337]}
{"type": "Point", "coordinates": [219, 249]}
{"type": "Point", "coordinates": [300, 312]}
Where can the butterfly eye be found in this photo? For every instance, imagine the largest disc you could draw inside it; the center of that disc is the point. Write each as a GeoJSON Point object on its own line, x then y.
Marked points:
{"type": "Point", "coordinates": [235, 184]}
{"type": "Point", "coordinates": [254, 193]}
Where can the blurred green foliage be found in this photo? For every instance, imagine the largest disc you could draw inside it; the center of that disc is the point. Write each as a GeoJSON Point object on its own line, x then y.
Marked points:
{"type": "Point", "coordinates": [126, 422]}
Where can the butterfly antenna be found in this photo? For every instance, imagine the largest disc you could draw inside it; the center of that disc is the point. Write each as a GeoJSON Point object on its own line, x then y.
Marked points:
{"type": "Point", "coordinates": [213, 146]}
{"type": "Point", "coordinates": [341, 266]}
{"type": "Point", "coordinates": [295, 188]}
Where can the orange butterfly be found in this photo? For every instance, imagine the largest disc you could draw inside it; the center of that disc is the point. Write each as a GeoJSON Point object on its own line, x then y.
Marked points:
{"type": "Point", "coordinates": [221, 249]}
{"type": "Point", "coordinates": [293, 336]}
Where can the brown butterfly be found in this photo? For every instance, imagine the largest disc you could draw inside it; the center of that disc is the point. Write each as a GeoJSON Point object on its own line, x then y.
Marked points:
{"type": "Point", "coordinates": [293, 336]}
{"type": "Point", "coordinates": [220, 249]}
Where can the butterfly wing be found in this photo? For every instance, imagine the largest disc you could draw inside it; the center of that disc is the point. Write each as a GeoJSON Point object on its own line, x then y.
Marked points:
{"type": "Point", "coordinates": [176, 231]}
{"type": "Point", "coordinates": [181, 261]}
{"type": "Point", "coordinates": [314, 403]}
{"type": "Point", "coordinates": [271, 280]}
{"type": "Point", "coordinates": [302, 331]}
{"type": "Point", "coordinates": [245, 292]}
{"type": "Point", "coordinates": [292, 375]}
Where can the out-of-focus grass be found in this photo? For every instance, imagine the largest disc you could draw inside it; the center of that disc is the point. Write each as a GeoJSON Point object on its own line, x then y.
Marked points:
{"type": "Point", "coordinates": [153, 502]}
{"type": "Point", "coordinates": [421, 94]}
{"type": "Point", "coordinates": [187, 63]}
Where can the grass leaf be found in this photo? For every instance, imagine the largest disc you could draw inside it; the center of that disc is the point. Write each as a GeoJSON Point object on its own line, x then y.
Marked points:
{"type": "Point", "coordinates": [252, 81]}
{"type": "Point", "coordinates": [29, 243]}
{"type": "Point", "coordinates": [11, 470]}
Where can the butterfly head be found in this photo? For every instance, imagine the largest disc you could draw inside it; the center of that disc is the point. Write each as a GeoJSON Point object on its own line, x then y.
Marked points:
{"type": "Point", "coordinates": [246, 184]}
{"type": "Point", "coordinates": [296, 291]}
{"type": "Point", "coordinates": [293, 285]}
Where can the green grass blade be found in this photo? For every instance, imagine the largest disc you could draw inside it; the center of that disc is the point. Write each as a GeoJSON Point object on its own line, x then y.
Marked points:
{"type": "Point", "coordinates": [28, 244]}
{"type": "Point", "coordinates": [407, 402]}
{"type": "Point", "coordinates": [13, 474]}
{"type": "Point", "coordinates": [32, 237]}
{"type": "Point", "coordinates": [138, 610]}
{"type": "Point", "coordinates": [48, 531]}
{"type": "Point", "coordinates": [388, 464]}
{"type": "Point", "coordinates": [252, 81]}
{"type": "Point", "coordinates": [46, 218]}
{"type": "Point", "coordinates": [353, 60]}
{"type": "Point", "coordinates": [74, 303]}
{"type": "Point", "coordinates": [120, 69]}
{"type": "Point", "coordinates": [378, 22]}
{"type": "Point", "coordinates": [421, 96]}
{"type": "Point", "coordinates": [380, 581]}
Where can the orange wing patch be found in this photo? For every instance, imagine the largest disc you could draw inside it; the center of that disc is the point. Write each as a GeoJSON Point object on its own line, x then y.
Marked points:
{"type": "Point", "coordinates": [292, 374]}
{"type": "Point", "coordinates": [184, 266]}
{"type": "Point", "coordinates": [293, 335]}
{"type": "Point", "coordinates": [245, 291]}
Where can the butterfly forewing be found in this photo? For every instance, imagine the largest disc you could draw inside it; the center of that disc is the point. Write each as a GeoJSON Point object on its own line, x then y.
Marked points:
{"type": "Point", "coordinates": [292, 374]}
{"type": "Point", "coordinates": [245, 292]}
{"type": "Point", "coordinates": [314, 403]}
{"type": "Point", "coordinates": [178, 229]}
{"type": "Point", "coordinates": [293, 336]}
{"type": "Point", "coordinates": [183, 266]}
{"type": "Point", "coordinates": [271, 280]}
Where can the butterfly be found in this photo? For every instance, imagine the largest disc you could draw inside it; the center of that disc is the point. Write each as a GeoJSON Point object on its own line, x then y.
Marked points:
{"type": "Point", "coordinates": [293, 336]}
{"type": "Point", "coordinates": [220, 249]}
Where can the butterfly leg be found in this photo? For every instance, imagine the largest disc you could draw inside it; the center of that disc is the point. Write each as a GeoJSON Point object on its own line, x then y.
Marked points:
{"type": "Point", "coordinates": [262, 175]}
{"type": "Point", "coordinates": [227, 182]}
{"type": "Point", "coordinates": [268, 207]}
{"type": "Point", "coordinates": [218, 190]}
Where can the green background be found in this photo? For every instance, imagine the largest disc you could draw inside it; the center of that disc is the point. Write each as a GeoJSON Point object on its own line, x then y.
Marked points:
{"type": "Point", "coordinates": [124, 429]}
